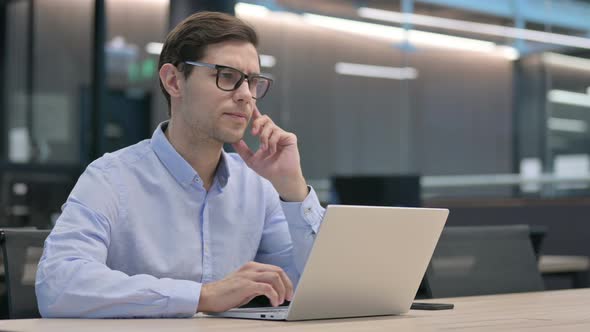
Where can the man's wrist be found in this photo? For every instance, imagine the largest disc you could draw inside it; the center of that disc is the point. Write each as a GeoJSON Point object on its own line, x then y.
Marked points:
{"type": "Point", "coordinates": [296, 198]}
{"type": "Point", "coordinates": [292, 191]}
{"type": "Point", "coordinates": [201, 307]}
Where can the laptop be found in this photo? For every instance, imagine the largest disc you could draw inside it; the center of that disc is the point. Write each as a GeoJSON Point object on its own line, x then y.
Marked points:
{"type": "Point", "coordinates": [365, 261]}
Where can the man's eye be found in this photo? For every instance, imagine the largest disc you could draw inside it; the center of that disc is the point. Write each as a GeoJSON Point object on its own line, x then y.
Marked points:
{"type": "Point", "coordinates": [228, 76]}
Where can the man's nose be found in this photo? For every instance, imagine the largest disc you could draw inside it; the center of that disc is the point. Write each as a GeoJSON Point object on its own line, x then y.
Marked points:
{"type": "Point", "coordinates": [243, 92]}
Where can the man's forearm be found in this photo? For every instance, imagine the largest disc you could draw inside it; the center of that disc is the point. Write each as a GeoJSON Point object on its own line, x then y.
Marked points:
{"type": "Point", "coordinates": [82, 289]}
{"type": "Point", "coordinates": [291, 189]}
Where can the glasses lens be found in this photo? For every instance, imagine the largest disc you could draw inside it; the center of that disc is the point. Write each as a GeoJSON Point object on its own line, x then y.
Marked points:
{"type": "Point", "coordinates": [259, 86]}
{"type": "Point", "coordinates": [227, 78]}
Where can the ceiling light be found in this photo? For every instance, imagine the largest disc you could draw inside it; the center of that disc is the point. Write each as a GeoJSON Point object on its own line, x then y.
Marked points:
{"type": "Point", "coordinates": [566, 61]}
{"type": "Point", "coordinates": [570, 125]}
{"type": "Point", "coordinates": [473, 27]}
{"type": "Point", "coordinates": [267, 61]}
{"type": "Point", "coordinates": [246, 9]}
{"type": "Point", "coordinates": [154, 48]}
{"type": "Point", "coordinates": [439, 40]}
{"type": "Point", "coordinates": [356, 27]}
{"type": "Point", "coordinates": [569, 98]}
{"type": "Point", "coordinates": [414, 36]}
{"type": "Point", "coordinates": [395, 73]}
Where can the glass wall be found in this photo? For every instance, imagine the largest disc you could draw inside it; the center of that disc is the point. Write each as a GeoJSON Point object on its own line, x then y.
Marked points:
{"type": "Point", "coordinates": [568, 118]}
{"type": "Point", "coordinates": [48, 101]}
{"type": "Point", "coordinates": [135, 32]}
{"type": "Point", "coordinates": [46, 69]}
{"type": "Point", "coordinates": [475, 98]}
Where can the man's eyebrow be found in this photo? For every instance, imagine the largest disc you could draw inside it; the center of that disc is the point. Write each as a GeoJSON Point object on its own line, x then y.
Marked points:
{"type": "Point", "coordinates": [247, 72]}
{"type": "Point", "coordinates": [243, 71]}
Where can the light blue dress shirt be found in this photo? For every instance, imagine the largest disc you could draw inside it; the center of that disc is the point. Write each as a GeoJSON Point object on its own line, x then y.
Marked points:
{"type": "Point", "coordinates": [139, 234]}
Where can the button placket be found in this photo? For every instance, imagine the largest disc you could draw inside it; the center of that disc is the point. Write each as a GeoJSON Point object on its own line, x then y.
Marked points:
{"type": "Point", "coordinates": [207, 264]}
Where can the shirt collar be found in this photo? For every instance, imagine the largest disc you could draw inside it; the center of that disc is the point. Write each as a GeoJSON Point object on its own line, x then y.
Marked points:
{"type": "Point", "coordinates": [222, 173]}
{"type": "Point", "coordinates": [180, 169]}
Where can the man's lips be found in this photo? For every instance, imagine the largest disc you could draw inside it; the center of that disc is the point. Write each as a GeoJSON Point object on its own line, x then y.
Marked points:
{"type": "Point", "coordinates": [236, 115]}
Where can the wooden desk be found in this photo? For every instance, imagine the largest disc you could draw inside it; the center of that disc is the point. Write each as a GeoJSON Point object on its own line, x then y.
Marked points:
{"type": "Point", "coordinates": [566, 310]}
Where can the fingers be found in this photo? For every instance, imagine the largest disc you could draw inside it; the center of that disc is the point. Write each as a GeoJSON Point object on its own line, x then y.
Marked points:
{"type": "Point", "coordinates": [270, 274]}
{"type": "Point", "coordinates": [243, 150]}
{"type": "Point", "coordinates": [261, 288]}
{"type": "Point", "coordinates": [267, 130]}
{"type": "Point", "coordinates": [256, 113]}
{"type": "Point", "coordinates": [286, 281]}
{"type": "Point", "coordinates": [273, 141]}
{"type": "Point", "coordinates": [276, 281]}
{"type": "Point", "coordinates": [288, 284]}
{"type": "Point", "coordinates": [259, 121]}
{"type": "Point", "coordinates": [279, 139]}
{"type": "Point", "coordinates": [269, 136]}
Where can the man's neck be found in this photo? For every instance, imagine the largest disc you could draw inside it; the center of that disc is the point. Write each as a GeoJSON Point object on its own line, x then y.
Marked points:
{"type": "Point", "coordinates": [203, 155]}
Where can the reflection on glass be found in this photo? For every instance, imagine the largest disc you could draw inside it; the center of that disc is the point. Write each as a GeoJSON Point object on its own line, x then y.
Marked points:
{"type": "Point", "coordinates": [136, 30]}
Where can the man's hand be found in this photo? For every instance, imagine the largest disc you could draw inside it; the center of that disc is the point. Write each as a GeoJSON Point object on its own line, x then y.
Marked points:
{"type": "Point", "coordinates": [251, 280]}
{"type": "Point", "coordinates": [277, 159]}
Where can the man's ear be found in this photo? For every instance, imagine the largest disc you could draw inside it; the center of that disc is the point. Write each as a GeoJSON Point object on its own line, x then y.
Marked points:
{"type": "Point", "coordinates": [171, 79]}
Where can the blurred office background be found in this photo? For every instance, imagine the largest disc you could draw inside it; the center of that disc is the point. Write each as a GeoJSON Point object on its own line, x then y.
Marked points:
{"type": "Point", "coordinates": [483, 105]}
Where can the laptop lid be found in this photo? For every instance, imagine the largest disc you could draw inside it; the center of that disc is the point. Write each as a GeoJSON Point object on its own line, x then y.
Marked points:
{"type": "Point", "coordinates": [367, 261]}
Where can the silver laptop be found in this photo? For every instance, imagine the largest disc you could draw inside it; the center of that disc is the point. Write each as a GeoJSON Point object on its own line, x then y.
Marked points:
{"type": "Point", "coordinates": [366, 261]}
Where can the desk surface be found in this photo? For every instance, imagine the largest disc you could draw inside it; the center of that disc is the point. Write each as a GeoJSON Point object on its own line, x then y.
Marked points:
{"type": "Point", "coordinates": [562, 311]}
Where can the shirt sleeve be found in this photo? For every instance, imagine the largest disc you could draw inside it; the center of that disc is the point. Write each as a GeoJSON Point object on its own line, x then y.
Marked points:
{"type": "Point", "coordinates": [289, 233]}
{"type": "Point", "coordinates": [73, 279]}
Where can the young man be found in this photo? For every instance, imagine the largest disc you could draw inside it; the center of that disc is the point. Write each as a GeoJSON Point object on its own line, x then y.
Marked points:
{"type": "Point", "coordinates": [174, 225]}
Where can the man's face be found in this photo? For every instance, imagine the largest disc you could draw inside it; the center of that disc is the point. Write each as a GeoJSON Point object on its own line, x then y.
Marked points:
{"type": "Point", "coordinates": [209, 112]}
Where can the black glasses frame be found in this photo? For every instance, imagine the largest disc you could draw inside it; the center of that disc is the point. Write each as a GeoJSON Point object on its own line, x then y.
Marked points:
{"type": "Point", "coordinates": [243, 76]}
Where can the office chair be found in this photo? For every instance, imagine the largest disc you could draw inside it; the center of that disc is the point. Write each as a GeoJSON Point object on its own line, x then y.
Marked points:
{"type": "Point", "coordinates": [481, 260]}
{"type": "Point", "coordinates": [22, 249]}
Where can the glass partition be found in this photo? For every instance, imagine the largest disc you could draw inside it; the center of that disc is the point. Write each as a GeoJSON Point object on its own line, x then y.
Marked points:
{"type": "Point", "coordinates": [470, 97]}
{"type": "Point", "coordinates": [48, 63]}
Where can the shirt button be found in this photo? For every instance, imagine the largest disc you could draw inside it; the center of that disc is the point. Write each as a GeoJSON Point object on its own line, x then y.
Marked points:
{"type": "Point", "coordinates": [196, 179]}
{"type": "Point", "coordinates": [307, 211]}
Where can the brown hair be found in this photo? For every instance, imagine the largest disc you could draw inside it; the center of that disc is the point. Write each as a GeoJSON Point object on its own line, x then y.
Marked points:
{"type": "Point", "coordinates": [190, 38]}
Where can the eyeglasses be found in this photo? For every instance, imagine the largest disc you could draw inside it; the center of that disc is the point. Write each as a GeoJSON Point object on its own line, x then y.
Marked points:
{"type": "Point", "coordinates": [230, 79]}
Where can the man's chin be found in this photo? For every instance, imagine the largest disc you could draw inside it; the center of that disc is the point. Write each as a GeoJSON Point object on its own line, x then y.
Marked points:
{"type": "Point", "coordinates": [232, 141]}
{"type": "Point", "coordinates": [232, 138]}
